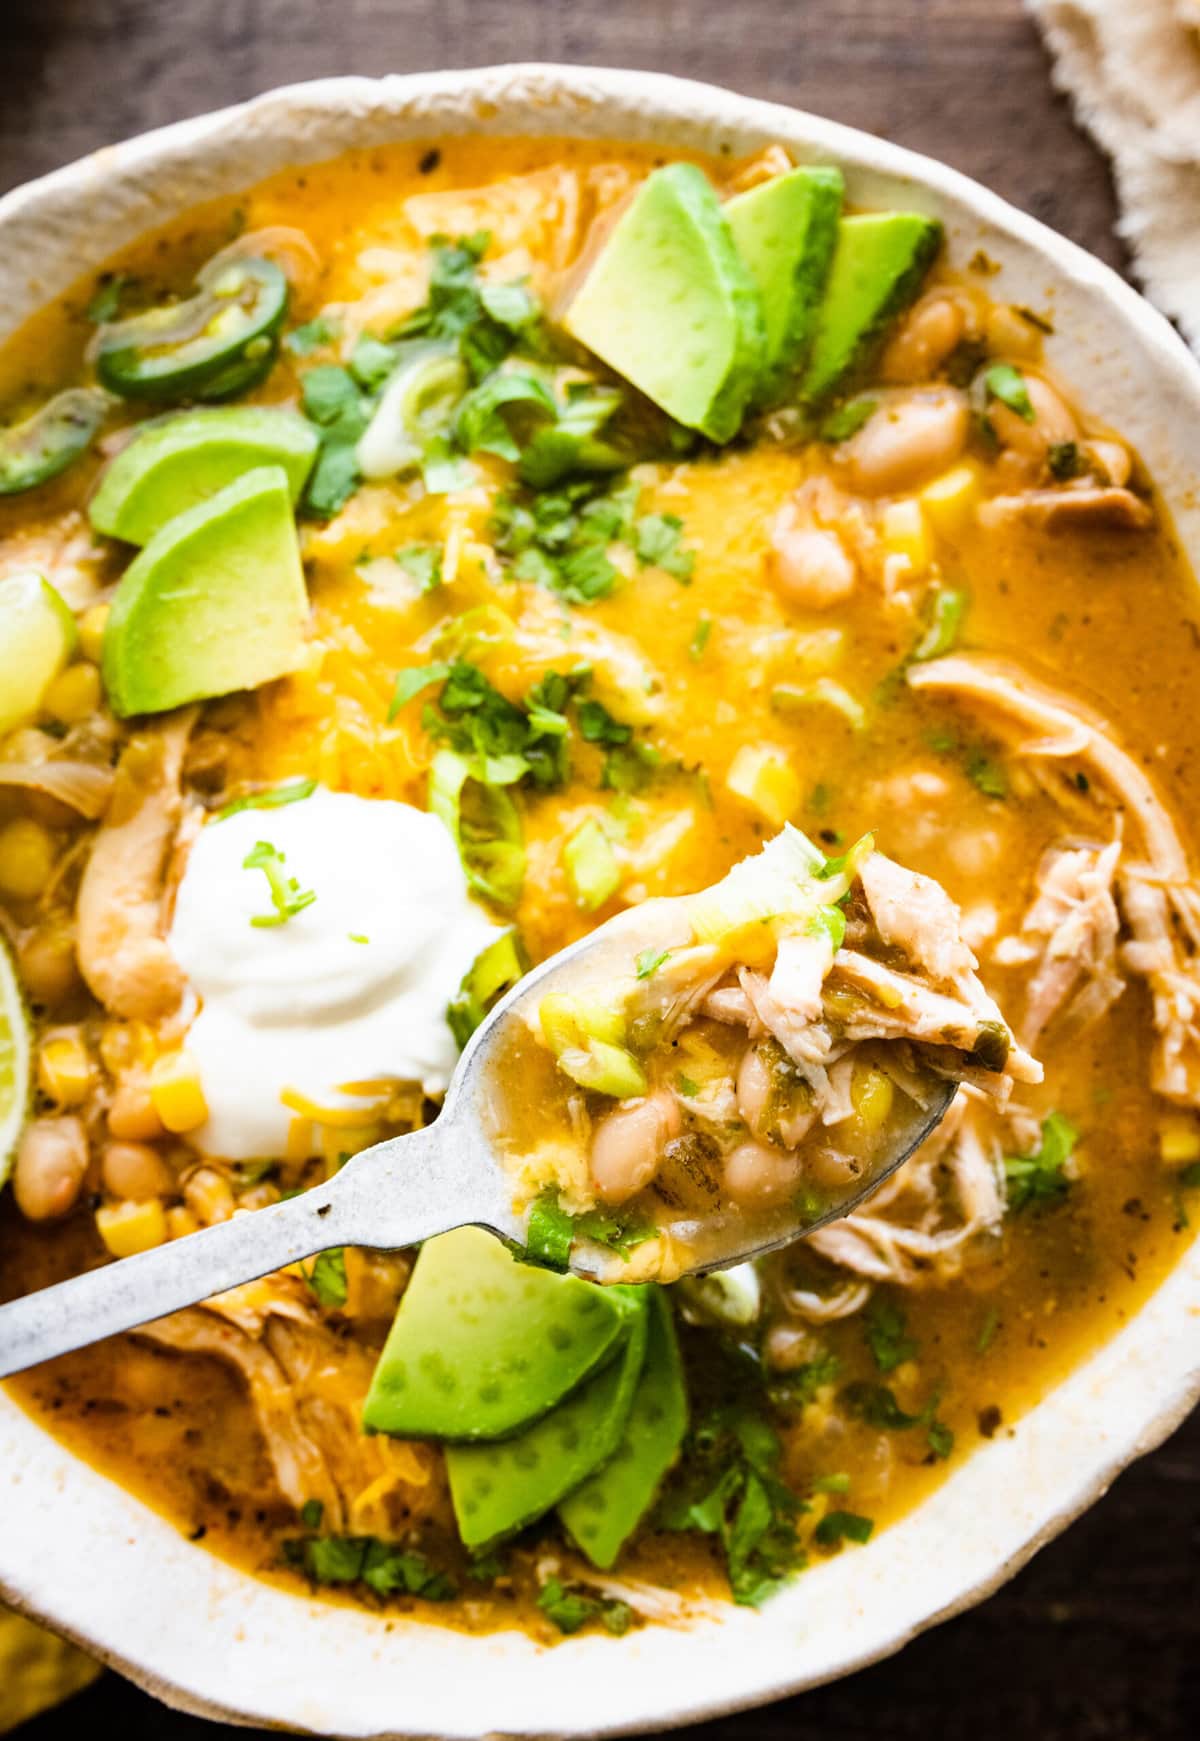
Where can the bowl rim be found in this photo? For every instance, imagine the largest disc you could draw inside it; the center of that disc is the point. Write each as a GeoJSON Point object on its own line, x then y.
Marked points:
{"type": "Point", "coordinates": [256, 1654]}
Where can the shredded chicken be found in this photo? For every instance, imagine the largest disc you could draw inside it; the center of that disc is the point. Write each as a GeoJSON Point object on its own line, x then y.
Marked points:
{"type": "Point", "coordinates": [122, 952]}
{"type": "Point", "coordinates": [1063, 509]}
{"type": "Point", "coordinates": [1156, 894]}
{"type": "Point", "coordinates": [915, 914]}
{"type": "Point", "coordinates": [1069, 938]}
{"type": "Point", "coordinates": [919, 1225]}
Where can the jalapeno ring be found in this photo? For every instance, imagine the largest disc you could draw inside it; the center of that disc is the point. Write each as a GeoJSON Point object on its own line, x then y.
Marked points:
{"type": "Point", "coordinates": [37, 449]}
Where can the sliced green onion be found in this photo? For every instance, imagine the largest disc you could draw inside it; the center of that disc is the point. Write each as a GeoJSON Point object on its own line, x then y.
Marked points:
{"type": "Point", "coordinates": [1007, 384]}
{"type": "Point", "coordinates": [415, 412]}
{"type": "Point", "coordinates": [485, 825]}
{"type": "Point", "coordinates": [494, 971]}
{"type": "Point", "coordinates": [949, 606]}
{"type": "Point", "coordinates": [290, 792]}
{"type": "Point", "coordinates": [592, 870]}
{"type": "Point", "coordinates": [821, 692]}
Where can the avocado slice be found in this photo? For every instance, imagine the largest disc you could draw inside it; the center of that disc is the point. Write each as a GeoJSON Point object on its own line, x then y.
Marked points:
{"type": "Point", "coordinates": [785, 231]}
{"type": "Point", "coordinates": [175, 462]}
{"type": "Point", "coordinates": [214, 603]}
{"type": "Point", "coordinates": [879, 264]}
{"type": "Point", "coordinates": [483, 1345]}
{"type": "Point", "coordinates": [498, 1489]}
{"type": "Point", "coordinates": [670, 304]}
{"type": "Point", "coordinates": [605, 1509]}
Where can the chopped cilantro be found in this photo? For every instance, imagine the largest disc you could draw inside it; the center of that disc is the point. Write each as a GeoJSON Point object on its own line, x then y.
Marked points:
{"type": "Point", "coordinates": [550, 1233]}
{"type": "Point", "coordinates": [571, 1608]}
{"type": "Point", "coordinates": [332, 401]}
{"type": "Point", "coordinates": [839, 1526]}
{"type": "Point", "coordinates": [877, 1405]}
{"type": "Point", "coordinates": [1041, 1178]}
{"type": "Point", "coordinates": [987, 775]}
{"type": "Point", "coordinates": [699, 640]}
{"type": "Point", "coordinates": [384, 1568]}
{"type": "Point", "coordinates": [656, 540]}
{"type": "Point", "coordinates": [484, 421]}
{"type": "Point", "coordinates": [287, 897]}
{"type": "Point", "coordinates": [728, 1486]}
{"type": "Point", "coordinates": [442, 469]}
{"type": "Point", "coordinates": [559, 538]}
{"type": "Point", "coordinates": [1006, 384]}
{"type": "Point", "coordinates": [886, 1330]}
{"type": "Point", "coordinates": [371, 362]}
{"type": "Point", "coordinates": [794, 1390]}
{"type": "Point", "coordinates": [484, 321]}
{"type": "Point", "coordinates": [597, 725]}
{"type": "Point", "coordinates": [314, 335]}
{"type": "Point", "coordinates": [839, 1483]}
{"type": "Point", "coordinates": [311, 1513]}
{"type": "Point", "coordinates": [1064, 460]}
{"type": "Point", "coordinates": [987, 1331]}
{"type": "Point", "coordinates": [423, 562]}
{"type": "Point", "coordinates": [410, 683]}
{"type": "Point", "coordinates": [630, 767]}
{"type": "Point", "coordinates": [687, 1087]}
{"type": "Point", "coordinates": [290, 792]}
{"type": "Point", "coordinates": [649, 961]}
{"type": "Point", "coordinates": [327, 1278]}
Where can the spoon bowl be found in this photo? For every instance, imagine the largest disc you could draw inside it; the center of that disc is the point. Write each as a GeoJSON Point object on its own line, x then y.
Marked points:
{"type": "Point", "coordinates": [396, 1194]}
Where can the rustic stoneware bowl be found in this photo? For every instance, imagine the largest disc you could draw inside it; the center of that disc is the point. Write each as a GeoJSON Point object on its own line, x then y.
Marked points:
{"type": "Point", "coordinates": [78, 1552]}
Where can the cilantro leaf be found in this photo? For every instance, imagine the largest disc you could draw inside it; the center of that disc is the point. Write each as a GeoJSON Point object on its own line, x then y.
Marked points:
{"type": "Point", "coordinates": [314, 335]}
{"type": "Point", "coordinates": [1007, 384]}
{"type": "Point", "coordinates": [570, 1608]}
{"type": "Point", "coordinates": [839, 1526]}
{"type": "Point", "coordinates": [287, 897]}
{"type": "Point", "coordinates": [657, 544]}
{"type": "Point", "coordinates": [383, 1567]}
{"type": "Point", "coordinates": [423, 562]}
{"type": "Point", "coordinates": [887, 1336]}
{"type": "Point", "coordinates": [483, 424]}
{"type": "Point", "coordinates": [1041, 1178]}
{"type": "Point", "coordinates": [327, 1278]}
{"type": "Point", "coordinates": [410, 683]}
{"type": "Point", "coordinates": [331, 400]}
{"type": "Point", "coordinates": [550, 1233]}
{"type": "Point", "coordinates": [649, 961]}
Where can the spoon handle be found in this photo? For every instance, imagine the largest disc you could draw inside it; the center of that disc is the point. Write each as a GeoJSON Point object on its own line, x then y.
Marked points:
{"type": "Point", "coordinates": [120, 1296]}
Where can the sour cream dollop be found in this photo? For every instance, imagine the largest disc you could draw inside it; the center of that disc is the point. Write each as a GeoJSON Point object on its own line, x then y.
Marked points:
{"type": "Point", "coordinates": [307, 1006]}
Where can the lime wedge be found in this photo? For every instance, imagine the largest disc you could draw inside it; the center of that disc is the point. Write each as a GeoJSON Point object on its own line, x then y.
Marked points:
{"type": "Point", "coordinates": [37, 637]}
{"type": "Point", "coordinates": [15, 1055]}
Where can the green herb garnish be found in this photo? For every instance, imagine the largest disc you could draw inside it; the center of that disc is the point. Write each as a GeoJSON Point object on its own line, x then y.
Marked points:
{"type": "Point", "coordinates": [571, 1608]}
{"type": "Point", "coordinates": [649, 961]}
{"type": "Point", "coordinates": [291, 792]}
{"type": "Point", "coordinates": [1041, 1178]}
{"type": "Point", "coordinates": [656, 541]}
{"type": "Point", "coordinates": [1006, 384]}
{"type": "Point", "coordinates": [287, 897]}
{"type": "Point", "coordinates": [327, 1278]}
{"type": "Point", "coordinates": [886, 1330]}
{"type": "Point", "coordinates": [837, 1527]}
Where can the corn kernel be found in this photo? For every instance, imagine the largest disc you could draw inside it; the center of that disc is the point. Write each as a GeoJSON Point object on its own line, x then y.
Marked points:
{"type": "Point", "coordinates": [763, 775]}
{"type": "Point", "coordinates": [871, 1094]}
{"type": "Point", "coordinates": [74, 694]}
{"type": "Point", "coordinates": [64, 1068]}
{"type": "Point", "coordinates": [180, 1222]}
{"type": "Point", "coordinates": [127, 1228]}
{"type": "Point", "coordinates": [906, 535]}
{"type": "Point", "coordinates": [92, 625]}
{"type": "Point", "coordinates": [209, 1196]}
{"type": "Point", "coordinates": [950, 500]}
{"type": "Point", "coordinates": [26, 859]}
{"type": "Point", "coordinates": [176, 1093]}
{"type": "Point", "coordinates": [1178, 1139]}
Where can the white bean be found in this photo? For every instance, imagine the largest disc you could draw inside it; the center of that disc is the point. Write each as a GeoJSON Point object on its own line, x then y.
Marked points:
{"type": "Point", "coordinates": [924, 339]}
{"type": "Point", "coordinates": [810, 565]}
{"type": "Point", "coordinates": [627, 1144]}
{"type": "Point", "coordinates": [907, 441]}
{"type": "Point", "coordinates": [757, 1176]}
{"type": "Point", "coordinates": [136, 1171]}
{"type": "Point", "coordinates": [52, 1158]}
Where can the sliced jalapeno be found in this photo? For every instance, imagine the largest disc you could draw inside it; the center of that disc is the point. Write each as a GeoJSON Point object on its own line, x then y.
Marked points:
{"type": "Point", "coordinates": [45, 444]}
{"type": "Point", "coordinates": [220, 342]}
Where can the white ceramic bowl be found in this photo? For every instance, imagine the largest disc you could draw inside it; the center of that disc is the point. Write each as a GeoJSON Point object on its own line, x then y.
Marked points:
{"type": "Point", "coordinates": [80, 1553]}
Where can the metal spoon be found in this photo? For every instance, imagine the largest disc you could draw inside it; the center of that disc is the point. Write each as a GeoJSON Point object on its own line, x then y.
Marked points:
{"type": "Point", "coordinates": [396, 1194]}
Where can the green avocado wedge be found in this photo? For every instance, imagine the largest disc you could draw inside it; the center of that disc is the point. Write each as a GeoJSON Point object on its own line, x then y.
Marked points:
{"type": "Point", "coordinates": [483, 1345]}
{"type": "Point", "coordinates": [605, 1509]}
{"type": "Point", "coordinates": [177, 462]}
{"type": "Point", "coordinates": [669, 304]}
{"type": "Point", "coordinates": [214, 603]}
{"type": "Point", "coordinates": [879, 265]}
{"type": "Point", "coordinates": [785, 231]}
{"type": "Point", "coordinates": [500, 1488]}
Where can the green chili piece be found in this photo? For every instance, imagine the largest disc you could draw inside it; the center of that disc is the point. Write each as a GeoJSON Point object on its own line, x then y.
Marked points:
{"type": "Point", "coordinates": [38, 449]}
{"type": "Point", "coordinates": [218, 343]}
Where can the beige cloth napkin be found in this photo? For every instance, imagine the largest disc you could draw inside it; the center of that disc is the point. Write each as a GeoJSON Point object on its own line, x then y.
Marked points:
{"type": "Point", "coordinates": [1132, 70]}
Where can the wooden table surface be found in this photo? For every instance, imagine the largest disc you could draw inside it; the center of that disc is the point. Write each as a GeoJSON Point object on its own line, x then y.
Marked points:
{"type": "Point", "coordinates": [1098, 1639]}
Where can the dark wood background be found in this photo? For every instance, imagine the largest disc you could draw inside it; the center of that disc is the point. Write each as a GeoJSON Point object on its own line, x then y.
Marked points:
{"type": "Point", "coordinates": [1099, 1639]}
